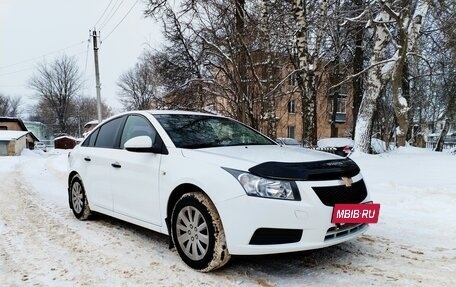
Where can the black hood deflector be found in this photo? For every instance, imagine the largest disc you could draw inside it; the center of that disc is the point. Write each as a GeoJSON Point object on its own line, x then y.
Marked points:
{"type": "Point", "coordinates": [312, 171]}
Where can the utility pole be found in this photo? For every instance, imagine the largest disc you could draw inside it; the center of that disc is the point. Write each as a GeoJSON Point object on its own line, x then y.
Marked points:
{"type": "Point", "coordinates": [97, 74]}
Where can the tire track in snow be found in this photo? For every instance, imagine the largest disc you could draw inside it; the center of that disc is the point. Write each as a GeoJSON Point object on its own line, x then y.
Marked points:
{"type": "Point", "coordinates": [44, 245]}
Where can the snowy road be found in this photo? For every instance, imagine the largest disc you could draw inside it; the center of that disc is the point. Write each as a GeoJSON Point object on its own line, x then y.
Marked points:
{"type": "Point", "coordinates": [42, 244]}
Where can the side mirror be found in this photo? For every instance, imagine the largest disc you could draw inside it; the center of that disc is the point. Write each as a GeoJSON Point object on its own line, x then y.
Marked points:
{"type": "Point", "coordinates": [139, 144]}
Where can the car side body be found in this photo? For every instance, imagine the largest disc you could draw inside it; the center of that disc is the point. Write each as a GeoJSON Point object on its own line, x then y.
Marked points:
{"type": "Point", "coordinates": [263, 198]}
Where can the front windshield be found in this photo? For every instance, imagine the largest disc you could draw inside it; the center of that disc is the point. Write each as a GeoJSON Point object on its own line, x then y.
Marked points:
{"type": "Point", "coordinates": [201, 131]}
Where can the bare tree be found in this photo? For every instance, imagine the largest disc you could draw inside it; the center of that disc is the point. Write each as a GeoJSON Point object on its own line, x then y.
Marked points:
{"type": "Point", "coordinates": [10, 106]}
{"type": "Point", "coordinates": [448, 22]}
{"type": "Point", "coordinates": [82, 110]}
{"type": "Point", "coordinates": [57, 84]}
{"type": "Point", "coordinates": [233, 57]}
{"type": "Point", "coordinates": [387, 24]}
{"type": "Point", "coordinates": [309, 39]}
{"type": "Point", "coordinates": [138, 86]}
{"type": "Point", "coordinates": [408, 31]}
{"type": "Point", "coordinates": [222, 53]}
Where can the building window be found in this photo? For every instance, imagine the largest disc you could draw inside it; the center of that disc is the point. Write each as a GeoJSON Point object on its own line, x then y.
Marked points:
{"type": "Point", "coordinates": [291, 132]}
{"type": "Point", "coordinates": [341, 109]}
{"type": "Point", "coordinates": [292, 79]}
{"type": "Point", "coordinates": [292, 106]}
{"type": "Point", "coordinates": [341, 105]}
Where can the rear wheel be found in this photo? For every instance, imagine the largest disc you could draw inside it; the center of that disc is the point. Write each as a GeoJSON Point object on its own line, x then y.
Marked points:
{"type": "Point", "coordinates": [78, 199]}
{"type": "Point", "coordinates": [197, 233]}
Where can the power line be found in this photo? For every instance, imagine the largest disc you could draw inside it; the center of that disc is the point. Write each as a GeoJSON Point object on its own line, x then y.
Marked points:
{"type": "Point", "coordinates": [113, 13]}
{"type": "Point", "coordinates": [18, 71]}
{"type": "Point", "coordinates": [44, 55]}
{"type": "Point", "coordinates": [33, 67]}
{"type": "Point", "coordinates": [125, 16]}
{"type": "Point", "coordinates": [106, 9]}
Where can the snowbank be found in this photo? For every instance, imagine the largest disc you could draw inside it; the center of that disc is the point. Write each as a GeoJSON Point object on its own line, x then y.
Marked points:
{"type": "Point", "coordinates": [42, 244]}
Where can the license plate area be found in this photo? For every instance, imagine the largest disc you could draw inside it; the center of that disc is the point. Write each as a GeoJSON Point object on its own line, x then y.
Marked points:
{"type": "Point", "coordinates": [356, 213]}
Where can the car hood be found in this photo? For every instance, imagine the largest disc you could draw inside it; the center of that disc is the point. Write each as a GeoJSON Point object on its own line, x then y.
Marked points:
{"type": "Point", "coordinates": [246, 157]}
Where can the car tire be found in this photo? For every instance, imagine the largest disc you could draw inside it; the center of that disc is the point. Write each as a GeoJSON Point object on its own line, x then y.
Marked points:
{"type": "Point", "coordinates": [197, 233]}
{"type": "Point", "coordinates": [78, 199]}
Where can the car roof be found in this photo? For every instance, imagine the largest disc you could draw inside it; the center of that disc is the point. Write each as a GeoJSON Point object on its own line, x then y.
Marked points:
{"type": "Point", "coordinates": [178, 112]}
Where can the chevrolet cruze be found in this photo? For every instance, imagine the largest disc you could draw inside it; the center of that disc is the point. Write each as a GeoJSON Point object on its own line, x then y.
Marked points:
{"type": "Point", "coordinates": [214, 185]}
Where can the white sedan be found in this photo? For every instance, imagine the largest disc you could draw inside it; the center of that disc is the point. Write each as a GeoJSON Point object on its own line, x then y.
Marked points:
{"type": "Point", "coordinates": [216, 186]}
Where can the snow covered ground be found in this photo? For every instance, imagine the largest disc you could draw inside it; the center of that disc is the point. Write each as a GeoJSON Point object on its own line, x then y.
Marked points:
{"type": "Point", "coordinates": [414, 243]}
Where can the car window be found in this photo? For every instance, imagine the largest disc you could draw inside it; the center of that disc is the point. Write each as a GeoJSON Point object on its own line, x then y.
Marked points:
{"type": "Point", "coordinates": [107, 134]}
{"type": "Point", "coordinates": [137, 126]}
{"type": "Point", "coordinates": [90, 140]}
{"type": "Point", "coordinates": [93, 138]}
{"type": "Point", "coordinates": [201, 131]}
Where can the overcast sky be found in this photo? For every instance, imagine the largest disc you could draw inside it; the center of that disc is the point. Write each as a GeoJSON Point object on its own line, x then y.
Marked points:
{"type": "Point", "coordinates": [34, 31]}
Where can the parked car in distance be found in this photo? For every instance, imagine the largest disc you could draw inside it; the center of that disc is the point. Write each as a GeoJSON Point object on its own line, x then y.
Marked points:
{"type": "Point", "coordinates": [340, 146]}
{"type": "Point", "coordinates": [214, 185]}
{"type": "Point", "coordinates": [288, 141]}
{"type": "Point", "coordinates": [40, 146]}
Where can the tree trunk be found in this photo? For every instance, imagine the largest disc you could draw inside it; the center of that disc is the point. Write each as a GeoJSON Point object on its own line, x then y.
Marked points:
{"type": "Point", "coordinates": [363, 129]}
{"type": "Point", "coordinates": [450, 115]}
{"type": "Point", "coordinates": [399, 102]}
{"type": "Point", "coordinates": [443, 134]}
{"type": "Point", "coordinates": [358, 63]}
{"type": "Point", "coordinates": [408, 34]}
{"type": "Point", "coordinates": [269, 101]}
{"type": "Point", "coordinates": [244, 105]}
{"type": "Point", "coordinates": [305, 75]}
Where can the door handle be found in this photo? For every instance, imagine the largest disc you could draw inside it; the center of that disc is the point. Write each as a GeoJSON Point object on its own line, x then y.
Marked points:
{"type": "Point", "coordinates": [87, 158]}
{"type": "Point", "coordinates": [116, 165]}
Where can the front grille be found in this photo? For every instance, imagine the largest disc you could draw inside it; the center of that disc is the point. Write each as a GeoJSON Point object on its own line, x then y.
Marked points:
{"type": "Point", "coordinates": [330, 195]}
{"type": "Point", "coordinates": [343, 230]}
{"type": "Point", "coordinates": [267, 236]}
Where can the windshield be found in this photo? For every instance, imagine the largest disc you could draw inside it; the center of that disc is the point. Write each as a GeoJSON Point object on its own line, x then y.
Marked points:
{"type": "Point", "coordinates": [201, 131]}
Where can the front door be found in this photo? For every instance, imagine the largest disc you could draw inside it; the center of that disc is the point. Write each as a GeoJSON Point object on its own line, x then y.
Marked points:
{"type": "Point", "coordinates": [135, 175]}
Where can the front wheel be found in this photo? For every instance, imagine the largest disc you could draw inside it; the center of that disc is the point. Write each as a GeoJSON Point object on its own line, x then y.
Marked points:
{"type": "Point", "coordinates": [78, 199]}
{"type": "Point", "coordinates": [197, 233]}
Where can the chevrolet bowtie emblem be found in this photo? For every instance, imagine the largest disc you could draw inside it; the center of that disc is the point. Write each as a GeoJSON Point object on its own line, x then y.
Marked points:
{"type": "Point", "coordinates": [347, 181]}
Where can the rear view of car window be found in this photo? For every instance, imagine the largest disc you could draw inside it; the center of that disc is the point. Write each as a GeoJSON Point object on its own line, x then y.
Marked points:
{"type": "Point", "coordinates": [108, 134]}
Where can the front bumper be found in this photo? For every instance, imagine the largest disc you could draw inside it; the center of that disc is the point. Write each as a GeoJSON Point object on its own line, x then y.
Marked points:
{"type": "Point", "coordinates": [306, 223]}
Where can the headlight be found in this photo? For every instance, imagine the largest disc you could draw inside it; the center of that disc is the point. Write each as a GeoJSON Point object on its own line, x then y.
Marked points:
{"type": "Point", "coordinates": [265, 187]}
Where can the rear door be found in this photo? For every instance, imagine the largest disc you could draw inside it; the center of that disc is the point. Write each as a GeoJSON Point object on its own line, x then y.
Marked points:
{"type": "Point", "coordinates": [97, 154]}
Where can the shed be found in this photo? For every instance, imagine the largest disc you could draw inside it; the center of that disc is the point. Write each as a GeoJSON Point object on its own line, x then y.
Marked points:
{"type": "Point", "coordinates": [89, 126]}
{"type": "Point", "coordinates": [16, 124]}
{"type": "Point", "coordinates": [65, 142]}
{"type": "Point", "coordinates": [13, 142]}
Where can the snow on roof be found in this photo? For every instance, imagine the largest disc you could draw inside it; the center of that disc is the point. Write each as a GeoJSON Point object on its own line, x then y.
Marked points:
{"type": "Point", "coordinates": [65, 137]}
{"type": "Point", "coordinates": [12, 135]}
{"type": "Point", "coordinates": [94, 122]}
{"type": "Point", "coordinates": [13, 119]}
{"type": "Point", "coordinates": [176, 112]}
{"type": "Point", "coordinates": [335, 142]}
